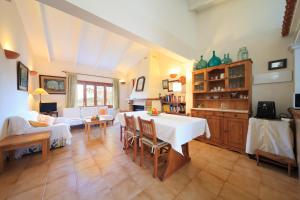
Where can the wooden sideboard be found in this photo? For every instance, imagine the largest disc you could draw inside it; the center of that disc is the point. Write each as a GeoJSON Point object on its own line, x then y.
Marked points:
{"type": "Point", "coordinates": [227, 129]}
{"type": "Point", "coordinates": [223, 95]}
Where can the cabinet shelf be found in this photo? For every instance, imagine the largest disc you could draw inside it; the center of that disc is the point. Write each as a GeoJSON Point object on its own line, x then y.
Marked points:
{"type": "Point", "coordinates": [228, 91]}
{"type": "Point", "coordinates": [173, 103]}
{"type": "Point", "coordinates": [221, 99]}
{"type": "Point", "coordinates": [216, 80]}
{"type": "Point", "coordinates": [198, 82]}
{"type": "Point", "coordinates": [236, 77]}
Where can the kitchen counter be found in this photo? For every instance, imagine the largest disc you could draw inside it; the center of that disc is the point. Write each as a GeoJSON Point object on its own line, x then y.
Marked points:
{"type": "Point", "coordinates": [222, 110]}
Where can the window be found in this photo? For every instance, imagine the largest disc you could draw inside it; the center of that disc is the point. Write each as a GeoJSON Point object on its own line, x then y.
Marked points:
{"type": "Point", "coordinates": [94, 94]}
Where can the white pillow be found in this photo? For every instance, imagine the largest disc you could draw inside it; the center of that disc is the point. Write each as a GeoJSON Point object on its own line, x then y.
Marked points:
{"type": "Point", "coordinates": [47, 119]}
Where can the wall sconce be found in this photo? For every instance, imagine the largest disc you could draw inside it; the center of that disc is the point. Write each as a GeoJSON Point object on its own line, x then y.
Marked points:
{"type": "Point", "coordinates": [173, 75]}
{"type": "Point", "coordinates": [11, 54]}
{"type": "Point", "coordinates": [33, 73]}
{"type": "Point", "coordinates": [182, 79]}
{"type": "Point", "coordinates": [122, 81]}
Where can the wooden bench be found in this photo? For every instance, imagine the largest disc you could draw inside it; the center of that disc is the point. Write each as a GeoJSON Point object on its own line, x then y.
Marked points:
{"type": "Point", "coordinates": [19, 141]}
{"type": "Point", "coordinates": [277, 158]}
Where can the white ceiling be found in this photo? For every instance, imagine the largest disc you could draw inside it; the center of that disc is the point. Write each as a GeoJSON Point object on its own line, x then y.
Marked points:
{"type": "Point", "coordinates": [60, 37]}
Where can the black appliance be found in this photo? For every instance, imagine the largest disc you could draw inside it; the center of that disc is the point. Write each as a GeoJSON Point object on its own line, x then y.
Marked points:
{"type": "Point", "coordinates": [266, 110]}
{"type": "Point", "coordinates": [297, 101]}
{"type": "Point", "coordinates": [48, 107]}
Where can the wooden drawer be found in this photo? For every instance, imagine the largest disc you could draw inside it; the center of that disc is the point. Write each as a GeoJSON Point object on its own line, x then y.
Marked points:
{"type": "Point", "coordinates": [194, 113]}
{"type": "Point", "coordinates": [208, 113]}
{"type": "Point", "coordinates": [236, 115]}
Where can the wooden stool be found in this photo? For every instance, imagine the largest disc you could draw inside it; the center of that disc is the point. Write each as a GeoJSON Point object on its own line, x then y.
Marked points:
{"type": "Point", "coordinates": [19, 141]}
{"type": "Point", "coordinates": [280, 159]}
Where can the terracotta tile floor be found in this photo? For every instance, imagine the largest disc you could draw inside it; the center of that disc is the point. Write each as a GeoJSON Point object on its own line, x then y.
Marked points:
{"type": "Point", "coordinates": [99, 169]}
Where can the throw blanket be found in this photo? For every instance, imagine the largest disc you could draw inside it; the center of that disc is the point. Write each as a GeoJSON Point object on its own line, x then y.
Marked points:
{"type": "Point", "coordinates": [271, 136]}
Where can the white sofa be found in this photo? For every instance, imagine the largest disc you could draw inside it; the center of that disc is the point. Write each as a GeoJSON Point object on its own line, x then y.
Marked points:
{"type": "Point", "coordinates": [59, 128]}
{"type": "Point", "coordinates": [75, 116]}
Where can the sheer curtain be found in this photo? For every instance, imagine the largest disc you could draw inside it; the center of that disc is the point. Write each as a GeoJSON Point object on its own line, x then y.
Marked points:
{"type": "Point", "coordinates": [71, 90]}
{"type": "Point", "coordinates": [116, 93]}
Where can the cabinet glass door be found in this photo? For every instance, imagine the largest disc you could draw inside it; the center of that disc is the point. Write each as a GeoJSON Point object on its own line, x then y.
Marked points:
{"type": "Point", "coordinates": [199, 82]}
{"type": "Point", "coordinates": [236, 77]}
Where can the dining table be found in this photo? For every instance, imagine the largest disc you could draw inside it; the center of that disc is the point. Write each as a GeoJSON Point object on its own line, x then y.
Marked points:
{"type": "Point", "coordinates": [177, 130]}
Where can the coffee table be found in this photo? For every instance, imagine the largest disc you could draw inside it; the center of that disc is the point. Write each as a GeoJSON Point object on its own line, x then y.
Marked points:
{"type": "Point", "coordinates": [88, 123]}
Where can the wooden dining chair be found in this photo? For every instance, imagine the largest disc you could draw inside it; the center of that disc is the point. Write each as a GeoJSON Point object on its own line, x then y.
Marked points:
{"type": "Point", "coordinates": [131, 136]}
{"type": "Point", "coordinates": [148, 138]}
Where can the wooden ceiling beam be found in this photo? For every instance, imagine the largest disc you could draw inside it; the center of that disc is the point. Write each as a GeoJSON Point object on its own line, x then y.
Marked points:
{"type": "Point", "coordinates": [288, 17]}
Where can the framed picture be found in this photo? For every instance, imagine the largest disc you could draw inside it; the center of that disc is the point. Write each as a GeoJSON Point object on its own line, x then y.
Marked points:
{"type": "Point", "coordinates": [140, 83]}
{"type": "Point", "coordinates": [277, 64]}
{"type": "Point", "coordinates": [53, 84]}
{"type": "Point", "coordinates": [165, 84]}
{"type": "Point", "coordinates": [22, 77]}
{"type": "Point", "coordinates": [170, 84]}
{"type": "Point", "coordinates": [132, 83]}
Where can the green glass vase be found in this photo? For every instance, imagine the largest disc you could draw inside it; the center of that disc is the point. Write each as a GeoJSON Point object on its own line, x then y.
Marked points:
{"type": "Point", "coordinates": [228, 59]}
{"type": "Point", "coordinates": [214, 61]}
{"type": "Point", "coordinates": [224, 59]}
{"type": "Point", "coordinates": [202, 63]}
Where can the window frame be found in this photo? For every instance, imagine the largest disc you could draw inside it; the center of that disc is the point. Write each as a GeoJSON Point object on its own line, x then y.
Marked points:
{"type": "Point", "coordinates": [95, 84]}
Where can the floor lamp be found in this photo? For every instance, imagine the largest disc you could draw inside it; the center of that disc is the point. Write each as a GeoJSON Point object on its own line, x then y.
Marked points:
{"type": "Point", "coordinates": [40, 91]}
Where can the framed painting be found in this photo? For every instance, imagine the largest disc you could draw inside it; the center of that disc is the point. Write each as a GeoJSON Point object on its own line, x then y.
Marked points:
{"type": "Point", "coordinates": [277, 64]}
{"type": "Point", "coordinates": [140, 83]}
{"type": "Point", "coordinates": [53, 84]}
{"type": "Point", "coordinates": [165, 84]}
{"type": "Point", "coordinates": [22, 77]}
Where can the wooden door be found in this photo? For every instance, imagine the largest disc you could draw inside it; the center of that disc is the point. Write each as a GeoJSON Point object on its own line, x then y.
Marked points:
{"type": "Point", "coordinates": [235, 131]}
{"type": "Point", "coordinates": [199, 81]}
{"type": "Point", "coordinates": [237, 76]}
{"type": "Point", "coordinates": [215, 127]}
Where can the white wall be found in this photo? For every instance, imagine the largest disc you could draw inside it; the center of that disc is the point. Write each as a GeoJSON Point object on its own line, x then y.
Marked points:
{"type": "Point", "coordinates": [297, 67]}
{"type": "Point", "coordinates": [43, 67]}
{"type": "Point", "coordinates": [157, 67]}
{"type": "Point", "coordinates": [255, 24]}
{"type": "Point", "coordinates": [12, 36]}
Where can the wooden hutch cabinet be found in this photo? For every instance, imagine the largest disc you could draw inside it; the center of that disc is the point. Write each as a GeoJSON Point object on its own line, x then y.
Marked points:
{"type": "Point", "coordinates": [222, 95]}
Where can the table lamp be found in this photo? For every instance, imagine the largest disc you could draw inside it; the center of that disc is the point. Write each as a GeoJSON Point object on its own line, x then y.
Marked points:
{"type": "Point", "coordinates": [40, 91]}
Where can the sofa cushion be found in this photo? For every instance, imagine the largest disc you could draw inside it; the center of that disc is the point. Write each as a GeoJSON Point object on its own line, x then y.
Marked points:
{"type": "Point", "coordinates": [31, 115]}
{"type": "Point", "coordinates": [75, 121]}
{"type": "Point", "coordinates": [103, 111]}
{"type": "Point", "coordinates": [37, 124]}
{"type": "Point", "coordinates": [89, 111]}
{"type": "Point", "coordinates": [46, 119]}
{"type": "Point", "coordinates": [71, 112]}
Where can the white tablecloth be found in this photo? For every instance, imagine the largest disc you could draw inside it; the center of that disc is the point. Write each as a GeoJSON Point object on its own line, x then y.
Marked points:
{"type": "Point", "coordinates": [271, 136]}
{"type": "Point", "coordinates": [174, 129]}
